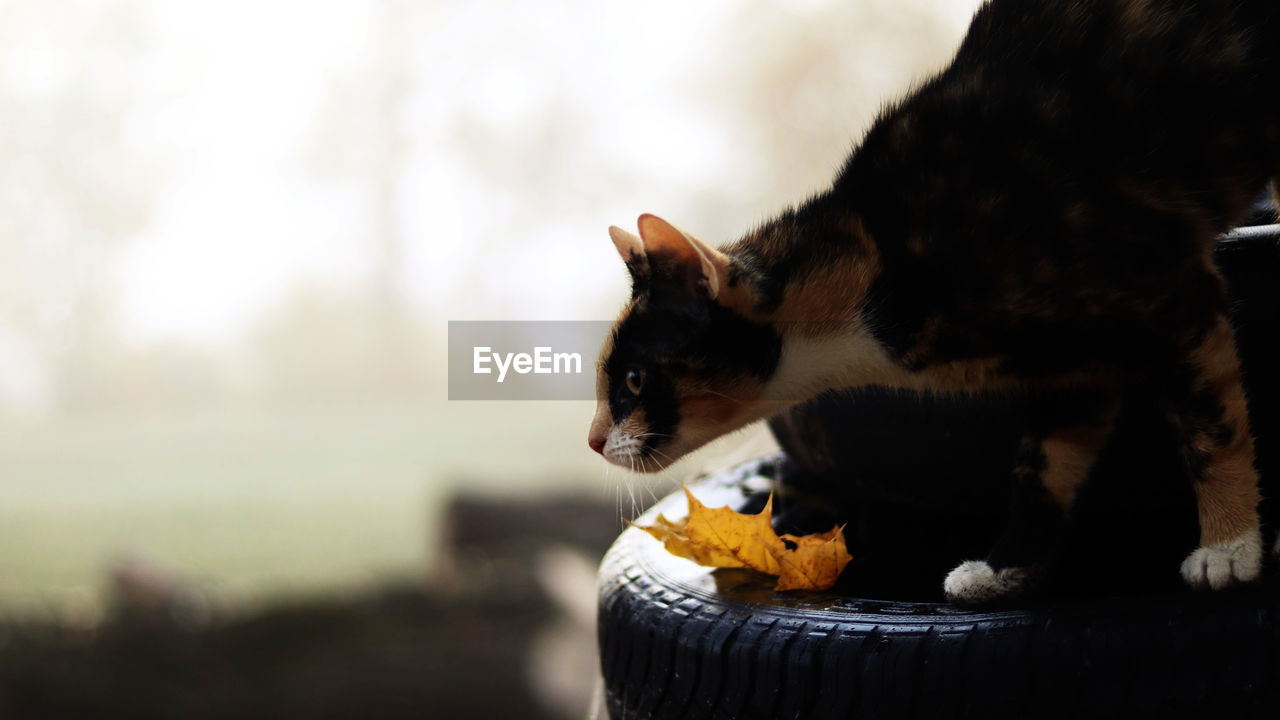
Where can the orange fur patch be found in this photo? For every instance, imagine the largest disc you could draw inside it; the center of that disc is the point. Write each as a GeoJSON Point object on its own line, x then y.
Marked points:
{"type": "Point", "coordinates": [708, 413]}
{"type": "Point", "coordinates": [1228, 494]}
{"type": "Point", "coordinates": [828, 300]}
{"type": "Point", "coordinates": [701, 404]}
{"type": "Point", "coordinates": [1141, 19]}
{"type": "Point", "coordinates": [635, 424]}
{"type": "Point", "coordinates": [1070, 454]}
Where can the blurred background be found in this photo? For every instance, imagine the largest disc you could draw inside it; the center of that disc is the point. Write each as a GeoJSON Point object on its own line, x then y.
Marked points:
{"type": "Point", "coordinates": [231, 237]}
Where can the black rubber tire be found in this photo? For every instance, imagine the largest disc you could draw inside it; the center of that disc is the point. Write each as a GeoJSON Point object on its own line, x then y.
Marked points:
{"type": "Point", "coordinates": [681, 641]}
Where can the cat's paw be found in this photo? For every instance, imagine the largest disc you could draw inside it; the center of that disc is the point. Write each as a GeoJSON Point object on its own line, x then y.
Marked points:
{"type": "Point", "coordinates": [977, 583]}
{"type": "Point", "coordinates": [1226, 564]}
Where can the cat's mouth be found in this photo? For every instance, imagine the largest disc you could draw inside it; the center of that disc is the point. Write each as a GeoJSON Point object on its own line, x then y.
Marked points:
{"type": "Point", "coordinates": [627, 444]}
{"type": "Point", "coordinates": [636, 460]}
{"type": "Point", "coordinates": [631, 451]}
{"type": "Point", "coordinates": [633, 444]}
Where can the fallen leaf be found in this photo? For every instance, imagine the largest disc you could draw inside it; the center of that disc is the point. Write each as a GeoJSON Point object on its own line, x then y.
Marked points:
{"type": "Point", "coordinates": [721, 537]}
{"type": "Point", "coordinates": [815, 563]}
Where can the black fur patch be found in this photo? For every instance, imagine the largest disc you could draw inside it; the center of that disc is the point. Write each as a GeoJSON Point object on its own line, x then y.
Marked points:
{"type": "Point", "coordinates": [675, 337]}
{"type": "Point", "coordinates": [1049, 198]}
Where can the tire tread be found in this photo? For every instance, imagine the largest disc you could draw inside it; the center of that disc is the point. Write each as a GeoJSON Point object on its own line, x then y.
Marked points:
{"type": "Point", "coordinates": [669, 651]}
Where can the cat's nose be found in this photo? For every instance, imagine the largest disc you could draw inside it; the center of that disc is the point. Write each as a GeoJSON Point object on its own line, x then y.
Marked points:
{"type": "Point", "coordinates": [596, 442]}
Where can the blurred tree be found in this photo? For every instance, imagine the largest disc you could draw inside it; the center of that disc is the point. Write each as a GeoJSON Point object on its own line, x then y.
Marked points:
{"type": "Point", "coordinates": [76, 185]}
{"type": "Point", "coordinates": [326, 346]}
{"type": "Point", "coordinates": [815, 78]}
{"type": "Point", "coordinates": [360, 139]}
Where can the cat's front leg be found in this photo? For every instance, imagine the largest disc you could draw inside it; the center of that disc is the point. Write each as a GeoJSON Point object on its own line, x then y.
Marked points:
{"type": "Point", "coordinates": [1209, 411]}
{"type": "Point", "coordinates": [1051, 467]}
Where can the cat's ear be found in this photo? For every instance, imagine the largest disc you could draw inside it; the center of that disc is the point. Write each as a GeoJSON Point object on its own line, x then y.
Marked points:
{"type": "Point", "coordinates": [689, 262]}
{"type": "Point", "coordinates": [631, 248]}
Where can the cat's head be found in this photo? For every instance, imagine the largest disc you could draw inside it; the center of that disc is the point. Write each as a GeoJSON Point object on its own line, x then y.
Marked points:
{"type": "Point", "coordinates": [687, 360]}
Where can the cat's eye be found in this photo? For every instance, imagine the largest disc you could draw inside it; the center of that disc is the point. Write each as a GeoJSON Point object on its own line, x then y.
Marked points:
{"type": "Point", "coordinates": [635, 380]}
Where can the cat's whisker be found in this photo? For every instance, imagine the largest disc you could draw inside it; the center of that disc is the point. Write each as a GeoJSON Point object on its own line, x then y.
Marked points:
{"type": "Point", "coordinates": [668, 458]}
{"type": "Point", "coordinates": [631, 487]}
{"type": "Point", "coordinates": [653, 434]}
{"type": "Point", "coordinates": [726, 397]}
{"type": "Point", "coordinates": [619, 488]}
{"type": "Point", "coordinates": [665, 474]}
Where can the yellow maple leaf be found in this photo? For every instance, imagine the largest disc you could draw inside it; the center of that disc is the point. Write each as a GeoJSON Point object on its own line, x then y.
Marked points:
{"type": "Point", "coordinates": [721, 537]}
{"type": "Point", "coordinates": [815, 563]}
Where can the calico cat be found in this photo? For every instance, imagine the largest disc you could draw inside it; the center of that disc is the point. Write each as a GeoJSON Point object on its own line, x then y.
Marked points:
{"type": "Point", "coordinates": [1039, 216]}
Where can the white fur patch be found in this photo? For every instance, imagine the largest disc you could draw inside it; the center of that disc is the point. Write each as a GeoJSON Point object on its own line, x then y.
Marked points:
{"type": "Point", "coordinates": [1226, 564]}
{"type": "Point", "coordinates": [976, 583]}
{"type": "Point", "coordinates": [808, 366]}
{"type": "Point", "coordinates": [622, 448]}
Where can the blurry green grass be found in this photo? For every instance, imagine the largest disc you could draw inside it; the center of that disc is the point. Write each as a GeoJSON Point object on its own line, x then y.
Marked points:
{"type": "Point", "coordinates": [256, 503]}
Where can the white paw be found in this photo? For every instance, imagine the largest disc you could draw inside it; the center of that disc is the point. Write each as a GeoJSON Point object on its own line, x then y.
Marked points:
{"type": "Point", "coordinates": [977, 583]}
{"type": "Point", "coordinates": [1225, 564]}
